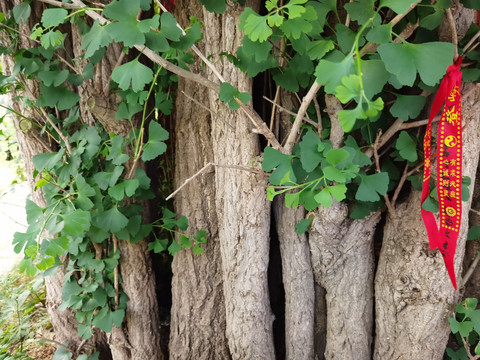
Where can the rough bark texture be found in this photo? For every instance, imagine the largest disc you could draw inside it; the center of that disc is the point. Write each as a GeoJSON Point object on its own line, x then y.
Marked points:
{"type": "Point", "coordinates": [297, 270]}
{"type": "Point", "coordinates": [414, 295]}
{"type": "Point", "coordinates": [197, 329]}
{"type": "Point", "coordinates": [242, 208]}
{"type": "Point", "coordinates": [297, 281]}
{"type": "Point", "coordinates": [342, 260]}
{"type": "Point", "coordinates": [141, 329]}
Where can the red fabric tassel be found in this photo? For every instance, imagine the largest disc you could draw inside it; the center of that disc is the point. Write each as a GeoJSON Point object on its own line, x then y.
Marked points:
{"type": "Point", "coordinates": [449, 168]}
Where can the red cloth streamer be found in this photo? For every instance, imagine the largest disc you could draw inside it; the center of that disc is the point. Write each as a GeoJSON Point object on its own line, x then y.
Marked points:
{"type": "Point", "coordinates": [449, 168]}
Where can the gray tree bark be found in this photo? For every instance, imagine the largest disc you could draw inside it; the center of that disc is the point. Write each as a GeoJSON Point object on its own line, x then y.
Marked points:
{"type": "Point", "coordinates": [243, 210]}
{"type": "Point", "coordinates": [197, 329]}
{"type": "Point", "coordinates": [414, 295]}
{"type": "Point", "coordinates": [342, 260]}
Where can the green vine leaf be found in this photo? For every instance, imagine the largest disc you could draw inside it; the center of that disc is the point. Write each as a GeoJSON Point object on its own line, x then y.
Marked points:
{"type": "Point", "coordinates": [217, 6]}
{"type": "Point", "coordinates": [47, 161]}
{"type": "Point", "coordinates": [155, 145]}
{"type": "Point", "coordinates": [51, 39]}
{"type": "Point", "coordinates": [105, 319]}
{"type": "Point", "coordinates": [58, 96]}
{"type": "Point", "coordinates": [229, 93]}
{"type": "Point", "coordinates": [126, 29]}
{"type": "Point", "coordinates": [98, 37]}
{"type": "Point", "coordinates": [53, 17]}
{"type": "Point", "coordinates": [132, 74]}
{"type": "Point", "coordinates": [331, 73]}
{"type": "Point", "coordinates": [112, 220]}
{"type": "Point", "coordinates": [76, 223]}
{"type": "Point", "coordinates": [407, 106]}
{"type": "Point", "coordinates": [372, 186]}
{"type": "Point", "coordinates": [303, 226]}
{"type": "Point", "coordinates": [405, 60]}
{"type": "Point", "coordinates": [310, 151]}
{"type": "Point", "coordinates": [398, 6]}
{"type": "Point", "coordinates": [406, 147]}
{"type": "Point", "coordinates": [21, 12]}
{"type": "Point", "coordinates": [169, 27]}
{"type": "Point", "coordinates": [274, 159]}
{"type": "Point", "coordinates": [255, 26]}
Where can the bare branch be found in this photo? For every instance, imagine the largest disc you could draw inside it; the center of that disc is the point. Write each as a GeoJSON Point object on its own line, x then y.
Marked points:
{"type": "Point", "coordinates": [470, 271]}
{"type": "Point", "coordinates": [453, 29]}
{"type": "Point", "coordinates": [294, 132]}
{"type": "Point", "coordinates": [390, 207]}
{"type": "Point", "coordinates": [281, 108]}
{"type": "Point", "coordinates": [205, 168]}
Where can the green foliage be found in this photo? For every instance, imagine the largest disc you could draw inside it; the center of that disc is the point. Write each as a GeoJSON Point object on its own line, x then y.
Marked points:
{"type": "Point", "coordinates": [22, 315]}
{"type": "Point", "coordinates": [466, 326]}
{"type": "Point", "coordinates": [229, 95]}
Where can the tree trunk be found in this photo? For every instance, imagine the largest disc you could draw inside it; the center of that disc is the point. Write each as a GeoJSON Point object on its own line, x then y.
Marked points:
{"type": "Point", "coordinates": [197, 329]}
{"type": "Point", "coordinates": [414, 295]}
{"type": "Point", "coordinates": [297, 281]}
{"type": "Point", "coordinates": [243, 210]}
{"type": "Point", "coordinates": [342, 260]}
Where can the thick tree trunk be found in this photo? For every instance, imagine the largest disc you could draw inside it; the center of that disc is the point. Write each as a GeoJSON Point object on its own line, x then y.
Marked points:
{"type": "Point", "coordinates": [197, 329]}
{"type": "Point", "coordinates": [297, 281]}
{"type": "Point", "coordinates": [414, 295]}
{"type": "Point", "coordinates": [342, 260]}
{"type": "Point", "coordinates": [243, 210]}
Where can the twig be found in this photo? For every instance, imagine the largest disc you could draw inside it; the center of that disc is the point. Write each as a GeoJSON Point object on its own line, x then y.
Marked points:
{"type": "Point", "coordinates": [472, 40]}
{"type": "Point", "coordinates": [475, 211]}
{"type": "Point", "coordinates": [292, 136]}
{"type": "Point", "coordinates": [38, 42]}
{"type": "Point", "coordinates": [399, 17]}
{"type": "Point", "coordinates": [453, 29]}
{"type": "Point", "coordinates": [135, 161]}
{"type": "Point", "coordinates": [47, 118]}
{"type": "Point", "coordinates": [198, 173]}
{"type": "Point", "coordinates": [201, 105]}
{"type": "Point", "coordinates": [61, 4]}
{"type": "Point", "coordinates": [470, 271]}
{"type": "Point", "coordinates": [115, 273]}
{"type": "Point", "coordinates": [319, 116]}
{"type": "Point", "coordinates": [390, 208]}
{"type": "Point", "coordinates": [274, 110]}
{"type": "Point", "coordinates": [347, 19]}
{"type": "Point", "coordinates": [400, 185]}
{"type": "Point", "coordinates": [260, 125]}
{"type": "Point", "coordinates": [54, 342]}
{"type": "Point", "coordinates": [203, 169]}
{"type": "Point", "coordinates": [206, 108]}
{"type": "Point", "coordinates": [281, 108]}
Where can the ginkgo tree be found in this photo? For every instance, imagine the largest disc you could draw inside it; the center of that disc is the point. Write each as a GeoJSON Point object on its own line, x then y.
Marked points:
{"type": "Point", "coordinates": [289, 134]}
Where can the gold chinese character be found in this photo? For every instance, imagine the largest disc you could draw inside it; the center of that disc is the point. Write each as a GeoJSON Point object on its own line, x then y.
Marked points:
{"type": "Point", "coordinates": [453, 94]}
{"type": "Point", "coordinates": [452, 116]}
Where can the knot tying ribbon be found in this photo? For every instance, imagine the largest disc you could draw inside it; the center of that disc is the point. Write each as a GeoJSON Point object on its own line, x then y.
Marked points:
{"type": "Point", "coordinates": [449, 168]}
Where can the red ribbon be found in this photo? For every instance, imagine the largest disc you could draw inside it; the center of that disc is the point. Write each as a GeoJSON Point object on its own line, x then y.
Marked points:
{"type": "Point", "coordinates": [449, 168]}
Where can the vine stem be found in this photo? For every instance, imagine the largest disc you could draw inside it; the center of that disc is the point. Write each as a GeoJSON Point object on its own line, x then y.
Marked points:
{"type": "Point", "coordinates": [115, 272]}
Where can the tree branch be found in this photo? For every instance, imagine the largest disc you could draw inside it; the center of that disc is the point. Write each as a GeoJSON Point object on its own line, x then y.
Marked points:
{"type": "Point", "coordinates": [294, 132]}
{"type": "Point", "coordinates": [453, 29]}
{"type": "Point", "coordinates": [390, 207]}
